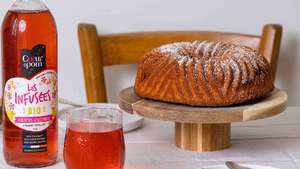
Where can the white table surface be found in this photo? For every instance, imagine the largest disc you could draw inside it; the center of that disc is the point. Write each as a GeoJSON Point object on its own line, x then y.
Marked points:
{"type": "Point", "coordinates": [274, 142]}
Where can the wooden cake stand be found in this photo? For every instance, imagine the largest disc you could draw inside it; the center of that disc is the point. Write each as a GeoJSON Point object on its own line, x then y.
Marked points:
{"type": "Point", "coordinates": [203, 128]}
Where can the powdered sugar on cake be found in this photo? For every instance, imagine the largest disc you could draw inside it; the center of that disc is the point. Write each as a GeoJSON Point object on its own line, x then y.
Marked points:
{"type": "Point", "coordinates": [215, 52]}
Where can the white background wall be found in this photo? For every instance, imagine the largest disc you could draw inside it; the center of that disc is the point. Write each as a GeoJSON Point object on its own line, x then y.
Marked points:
{"type": "Point", "coordinates": [110, 16]}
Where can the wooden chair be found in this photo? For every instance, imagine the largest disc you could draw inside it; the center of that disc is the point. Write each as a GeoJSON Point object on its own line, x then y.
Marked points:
{"type": "Point", "coordinates": [102, 50]}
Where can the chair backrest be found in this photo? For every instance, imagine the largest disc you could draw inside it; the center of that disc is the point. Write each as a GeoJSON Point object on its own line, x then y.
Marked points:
{"type": "Point", "coordinates": [110, 49]}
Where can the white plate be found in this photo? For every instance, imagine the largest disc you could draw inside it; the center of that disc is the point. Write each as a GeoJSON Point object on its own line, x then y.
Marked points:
{"type": "Point", "coordinates": [244, 165]}
{"type": "Point", "coordinates": [130, 122]}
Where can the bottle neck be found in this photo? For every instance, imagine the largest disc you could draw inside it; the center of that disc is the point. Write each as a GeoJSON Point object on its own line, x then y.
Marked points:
{"type": "Point", "coordinates": [28, 5]}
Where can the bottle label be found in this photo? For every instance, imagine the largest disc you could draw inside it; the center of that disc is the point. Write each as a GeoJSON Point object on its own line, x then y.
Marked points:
{"type": "Point", "coordinates": [32, 104]}
{"type": "Point", "coordinates": [33, 60]}
{"type": "Point", "coordinates": [34, 141]}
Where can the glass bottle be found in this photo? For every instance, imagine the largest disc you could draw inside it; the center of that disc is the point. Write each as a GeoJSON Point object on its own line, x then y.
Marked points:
{"type": "Point", "coordinates": [29, 67]}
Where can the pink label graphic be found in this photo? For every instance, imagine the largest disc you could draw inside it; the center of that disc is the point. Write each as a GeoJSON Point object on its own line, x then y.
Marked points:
{"type": "Point", "coordinates": [32, 104]}
{"type": "Point", "coordinates": [33, 119]}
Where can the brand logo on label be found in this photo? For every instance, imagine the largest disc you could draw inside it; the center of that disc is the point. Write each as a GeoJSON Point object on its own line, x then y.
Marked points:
{"type": "Point", "coordinates": [33, 61]}
{"type": "Point", "coordinates": [32, 104]}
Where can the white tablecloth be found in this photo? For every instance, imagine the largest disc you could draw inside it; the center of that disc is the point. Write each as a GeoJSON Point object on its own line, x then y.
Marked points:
{"type": "Point", "coordinates": [274, 142]}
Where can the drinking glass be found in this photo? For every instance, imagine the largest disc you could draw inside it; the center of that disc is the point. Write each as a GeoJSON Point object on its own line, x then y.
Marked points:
{"type": "Point", "coordinates": [94, 139]}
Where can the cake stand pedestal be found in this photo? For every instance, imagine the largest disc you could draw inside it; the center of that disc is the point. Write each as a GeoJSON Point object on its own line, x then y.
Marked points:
{"type": "Point", "coordinates": [203, 128]}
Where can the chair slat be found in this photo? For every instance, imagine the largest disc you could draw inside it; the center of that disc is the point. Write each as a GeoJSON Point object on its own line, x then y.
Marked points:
{"type": "Point", "coordinates": [130, 47]}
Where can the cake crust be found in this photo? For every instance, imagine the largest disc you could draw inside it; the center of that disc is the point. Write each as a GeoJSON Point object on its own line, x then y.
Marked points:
{"type": "Point", "coordinates": [203, 74]}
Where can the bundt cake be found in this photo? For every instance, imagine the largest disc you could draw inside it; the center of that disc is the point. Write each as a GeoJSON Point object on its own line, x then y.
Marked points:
{"type": "Point", "coordinates": [203, 74]}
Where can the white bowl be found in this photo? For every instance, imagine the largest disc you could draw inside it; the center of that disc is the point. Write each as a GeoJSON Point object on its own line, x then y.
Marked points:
{"type": "Point", "coordinates": [130, 122]}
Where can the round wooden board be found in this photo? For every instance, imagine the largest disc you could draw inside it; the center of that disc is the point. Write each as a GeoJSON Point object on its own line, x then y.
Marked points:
{"type": "Point", "coordinates": [270, 105]}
